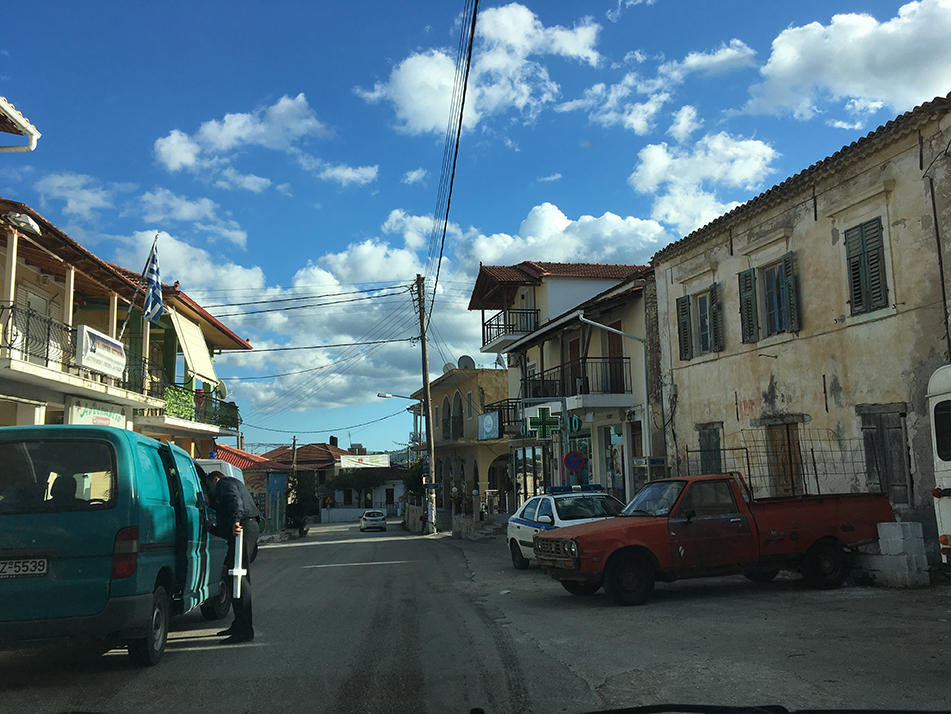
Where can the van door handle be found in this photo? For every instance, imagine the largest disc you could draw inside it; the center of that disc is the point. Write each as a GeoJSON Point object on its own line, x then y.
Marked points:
{"type": "Point", "coordinates": [736, 520]}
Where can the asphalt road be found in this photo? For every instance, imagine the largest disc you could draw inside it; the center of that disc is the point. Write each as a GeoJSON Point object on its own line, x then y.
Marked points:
{"type": "Point", "coordinates": [352, 622]}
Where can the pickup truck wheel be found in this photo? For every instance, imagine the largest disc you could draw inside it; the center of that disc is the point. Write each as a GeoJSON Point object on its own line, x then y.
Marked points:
{"type": "Point", "coordinates": [825, 566]}
{"type": "Point", "coordinates": [148, 651]}
{"type": "Point", "coordinates": [629, 580]}
{"type": "Point", "coordinates": [761, 576]}
{"type": "Point", "coordinates": [583, 589]}
{"type": "Point", "coordinates": [518, 560]}
{"type": "Point", "coordinates": [218, 606]}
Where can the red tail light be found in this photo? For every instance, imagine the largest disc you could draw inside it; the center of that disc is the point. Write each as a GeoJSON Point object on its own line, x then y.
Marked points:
{"type": "Point", "coordinates": [941, 492]}
{"type": "Point", "coordinates": [943, 539]}
{"type": "Point", "coordinates": [125, 553]}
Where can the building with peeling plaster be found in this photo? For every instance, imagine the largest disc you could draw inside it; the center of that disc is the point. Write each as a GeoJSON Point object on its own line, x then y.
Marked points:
{"type": "Point", "coordinates": [797, 333]}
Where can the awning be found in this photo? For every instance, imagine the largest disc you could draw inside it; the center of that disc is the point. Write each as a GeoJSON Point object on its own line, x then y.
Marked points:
{"type": "Point", "coordinates": [197, 358]}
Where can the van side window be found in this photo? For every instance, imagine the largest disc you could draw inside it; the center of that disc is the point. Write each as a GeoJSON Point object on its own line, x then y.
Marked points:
{"type": "Point", "coordinates": [153, 489]}
{"type": "Point", "coordinates": [942, 429]}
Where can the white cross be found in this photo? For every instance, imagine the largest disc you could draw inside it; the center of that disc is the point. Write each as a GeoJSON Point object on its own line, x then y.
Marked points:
{"type": "Point", "coordinates": [237, 571]}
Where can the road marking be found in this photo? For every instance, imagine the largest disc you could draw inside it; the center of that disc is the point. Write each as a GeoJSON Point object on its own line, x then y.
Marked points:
{"type": "Point", "coordinates": [347, 565]}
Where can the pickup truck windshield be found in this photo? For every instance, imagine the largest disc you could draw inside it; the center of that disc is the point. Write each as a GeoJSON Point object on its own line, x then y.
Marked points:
{"type": "Point", "coordinates": [56, 475]}
{"type": "Point", "coordinates": [655, 499]}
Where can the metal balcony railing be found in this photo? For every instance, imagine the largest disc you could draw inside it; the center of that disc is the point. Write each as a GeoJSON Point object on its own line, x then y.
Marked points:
{"type": "Point", "coordinates": [509, 409]}
{"type": "Point", "coordinates": [586, 376]}
{"type": "Point", "coordinates": [509, 322]}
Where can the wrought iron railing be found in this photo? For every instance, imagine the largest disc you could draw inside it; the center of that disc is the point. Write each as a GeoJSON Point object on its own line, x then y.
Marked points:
{"type": "Point", "coordinates": [36, 338]}
{"type": "Point", "coordinates": [509, 322]}
{"type": "Point", "coordinates": [610, 375]}
{"type": "Point", "coordinates": [509, 409]}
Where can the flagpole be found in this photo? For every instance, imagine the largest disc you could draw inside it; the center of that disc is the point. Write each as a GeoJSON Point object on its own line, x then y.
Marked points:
{"type": "Point", "coordinates": [137, 288]}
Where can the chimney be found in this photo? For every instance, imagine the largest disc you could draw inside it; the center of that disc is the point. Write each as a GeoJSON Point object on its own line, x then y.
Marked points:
{"type": "Point", "coordinates": [333, 441]}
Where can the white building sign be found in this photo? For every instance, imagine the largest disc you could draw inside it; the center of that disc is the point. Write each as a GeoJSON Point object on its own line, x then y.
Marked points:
{"type": "Point", "coordinates": [86, 411]}
{"type": "Point", "coordinates": [367, 461]}
{"type": "Point", "coordinates": [99, 352]}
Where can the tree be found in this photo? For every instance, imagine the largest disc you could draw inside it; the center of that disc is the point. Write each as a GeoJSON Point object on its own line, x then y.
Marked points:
{"type": "Point", "coordinates": [361, 480]}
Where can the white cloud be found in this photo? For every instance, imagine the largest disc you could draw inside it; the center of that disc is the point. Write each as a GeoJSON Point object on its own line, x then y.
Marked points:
{"type": "Point", "coordinates": [229, 230]}
{"type": "Point", "coordinates": [898, 63]}
{"type": "Point", "coordinates": [177, 151]}
{"type": "Point", "coordinates": [161, 205]}
{"type": "Point", "coordinates": [615, 14]}
{"type": "Point", "coordinates": [503, 77]}
{"type": "Point", "coordinates": [685, 123]}
{"type": "Point", "coordinates": [679, 176]}
{"type": "Point", "coordinates": [548, 232]}
{"type": "Point", "coordinates": [82, 194]}
{"type": "Point", "coordinates": [549, 179]}
{"type": "Point", "coordinates": [612, 105]}
{"type": "Point", "coordinates": [346, 175]}
{"type": "Point", "coordinates": [211, 151]}
{"type": "Point", "coordinates": [415, 230]}
{"type": "Point", "coordinates": [415, 176]}
{"type": "Point", "coordinates": [285, 189]}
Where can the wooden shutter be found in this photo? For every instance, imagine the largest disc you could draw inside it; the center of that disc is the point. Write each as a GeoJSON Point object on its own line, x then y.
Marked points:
{"type": "Point", "coordinates": [716, 334]}
{"type": "Point", "coordinates": [684, 331]}
{"type": "Point", "coordinates": [874, 248]}
{"type": "Point", "coordinates": [748, 320]}
{"type": "Point", "coordinates": [791, 306]}
{"type": "Point", "coordinates": [853, 252]}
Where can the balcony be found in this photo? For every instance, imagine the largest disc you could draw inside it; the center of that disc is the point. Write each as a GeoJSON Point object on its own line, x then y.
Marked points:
{"type": "Point", "coordinates": [506, 328]}
{"type": "Point", "coordinates": [195, 405]}
{"type": "Point", "coordinates": [510, 415]}
{"type": "Point", "coordinates": [452, 428]}
{"type": "Point", "coordinates": [27, 336]}
{"type": "Point", "coordinates": [581, 378]}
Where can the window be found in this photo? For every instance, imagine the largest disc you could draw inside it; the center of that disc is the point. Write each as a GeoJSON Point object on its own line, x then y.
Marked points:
{"type": "Point", "coordinates": [698, 324]}
{"type": "Point", "coordinates": [712, 498]}
{"type": "Point", "coordinates": [545, 509]}
{"type": "Point", "coordinates": [468, 405]}
{"type": "Point", "coordinates": [865, 253]}
{"type": "Point", "coordinates": [942, 429]}
{"type": "Point", "coordinates": [778, 301]}
{"type": "Point", "coordinates": [710, 454]}
{"type": "Point", "coordinates": [531, 509]}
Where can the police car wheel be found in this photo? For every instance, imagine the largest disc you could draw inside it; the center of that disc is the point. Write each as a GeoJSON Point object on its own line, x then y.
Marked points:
{"type": "Point", "coordinates": [518, 560]}
{"type": "Point", "coordinates": [582, 589]}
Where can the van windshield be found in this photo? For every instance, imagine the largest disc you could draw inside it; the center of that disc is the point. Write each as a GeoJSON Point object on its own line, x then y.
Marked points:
{"type": "Point", "coordinates": [56, 475]}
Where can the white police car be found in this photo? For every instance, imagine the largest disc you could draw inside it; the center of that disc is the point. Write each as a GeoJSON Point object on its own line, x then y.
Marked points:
{"type": "Point", "coordinates": [558, 506]}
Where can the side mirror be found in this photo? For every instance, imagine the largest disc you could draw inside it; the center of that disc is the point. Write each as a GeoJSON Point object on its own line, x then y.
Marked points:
{"type": "Point", "coordinates": [690, 514]}
{"type": "Point", "coordinates": [547, 520]}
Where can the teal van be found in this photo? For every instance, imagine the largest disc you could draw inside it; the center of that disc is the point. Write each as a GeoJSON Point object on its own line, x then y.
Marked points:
{"type": "Point", "coordinates": [102, 534]}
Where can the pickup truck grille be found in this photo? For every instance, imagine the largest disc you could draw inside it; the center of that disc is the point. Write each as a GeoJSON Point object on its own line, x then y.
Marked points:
{"type": "Point", "coordinates": [551, 546]}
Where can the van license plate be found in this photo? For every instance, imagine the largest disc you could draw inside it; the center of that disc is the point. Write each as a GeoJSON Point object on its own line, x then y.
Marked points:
{"type": "Point", "coordinates": [23, 568]}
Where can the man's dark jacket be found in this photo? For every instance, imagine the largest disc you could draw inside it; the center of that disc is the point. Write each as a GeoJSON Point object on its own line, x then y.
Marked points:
{"type": "Point", "coordinates": [233, 504]}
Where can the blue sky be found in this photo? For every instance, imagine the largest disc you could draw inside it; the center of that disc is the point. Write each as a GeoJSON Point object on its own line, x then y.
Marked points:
{"type": "Point", "coordinates": [293, 150]}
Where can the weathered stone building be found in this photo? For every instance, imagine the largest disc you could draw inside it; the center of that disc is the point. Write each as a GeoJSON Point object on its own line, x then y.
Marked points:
{"type": "Point", "coordinates": [798, 331]}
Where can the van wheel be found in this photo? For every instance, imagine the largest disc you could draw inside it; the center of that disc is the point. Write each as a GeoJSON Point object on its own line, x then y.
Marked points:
{"type": "Point", "coordinates": [629, 580]}
{"type": "Point", "coordinates": [148, 651]}
{"type": "Point", "coordinates": [583, 589]}
{"type": "Point", "coordinates": [518, 560]}
{"type": "Point", "coordinates": [217, 607]}
{"type": "Point", "coordinates": [825, 565]}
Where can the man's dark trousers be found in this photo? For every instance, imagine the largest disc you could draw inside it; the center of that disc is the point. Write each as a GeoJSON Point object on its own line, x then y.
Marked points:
{"type": "Point", "coordinates": [242, 606]}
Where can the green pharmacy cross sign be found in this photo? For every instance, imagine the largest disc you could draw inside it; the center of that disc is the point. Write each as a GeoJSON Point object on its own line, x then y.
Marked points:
{"type": "Point", "coordinates": [544, 425]}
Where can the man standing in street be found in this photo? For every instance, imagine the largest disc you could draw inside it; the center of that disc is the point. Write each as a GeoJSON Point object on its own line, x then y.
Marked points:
{"type": "Point", "coordinates": [236, 513]}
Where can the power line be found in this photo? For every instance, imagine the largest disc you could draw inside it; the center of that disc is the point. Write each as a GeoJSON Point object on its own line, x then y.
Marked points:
{"type": "Point", "coordinates": [325, 431]}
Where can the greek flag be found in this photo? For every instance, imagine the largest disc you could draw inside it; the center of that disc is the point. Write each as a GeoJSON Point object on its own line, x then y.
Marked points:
{"type": "Point", "coordinates": [152, 309]}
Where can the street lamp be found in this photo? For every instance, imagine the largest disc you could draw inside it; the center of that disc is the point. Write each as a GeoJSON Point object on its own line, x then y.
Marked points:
{"type": "Point", "coordinates": [429, 462]}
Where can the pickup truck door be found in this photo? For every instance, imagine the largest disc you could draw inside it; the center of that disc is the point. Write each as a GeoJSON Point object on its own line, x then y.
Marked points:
{"type": "Point", "coordinates": [708, 532]}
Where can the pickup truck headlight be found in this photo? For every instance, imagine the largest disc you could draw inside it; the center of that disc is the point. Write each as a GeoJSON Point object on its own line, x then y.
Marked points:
{"type": "Point", "coordinates": [571, 548]}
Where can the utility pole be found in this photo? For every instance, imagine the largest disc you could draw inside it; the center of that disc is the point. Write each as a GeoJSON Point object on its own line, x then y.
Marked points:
{"type": "Point", "coordinates": [429, 476]}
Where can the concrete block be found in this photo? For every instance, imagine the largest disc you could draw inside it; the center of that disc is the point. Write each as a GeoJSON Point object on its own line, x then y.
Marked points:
{"type": "Point", "coordinates": [916, 579]}
{"type": "Point", "coordinates": [899, 530]}
{"type": "Point", "coordinates": [871, 562]}
{"type": "Point", "coordinates": [906, 546]}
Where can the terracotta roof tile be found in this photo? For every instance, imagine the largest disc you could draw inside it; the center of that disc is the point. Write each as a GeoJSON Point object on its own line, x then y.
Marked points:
{"type": "Point", "coordinates": [309, 456]}
{"type": "Point", "coordinates": [247, 461]}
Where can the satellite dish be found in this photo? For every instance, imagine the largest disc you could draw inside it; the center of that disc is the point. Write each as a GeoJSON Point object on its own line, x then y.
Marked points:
{"type": "Point", "coordinates": [466, 362]}
{"type": "Point", "coordinates": [448, 367]}
{"type": "Point", "coordinates": [221, 390]}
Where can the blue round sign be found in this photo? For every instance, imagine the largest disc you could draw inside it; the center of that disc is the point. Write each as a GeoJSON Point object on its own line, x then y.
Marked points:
{"type": "Point", "coordinates": [573, 461]}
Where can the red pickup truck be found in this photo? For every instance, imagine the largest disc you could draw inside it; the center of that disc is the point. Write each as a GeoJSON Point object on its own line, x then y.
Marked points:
{"type": "Point", "coordinates": [699, 526]}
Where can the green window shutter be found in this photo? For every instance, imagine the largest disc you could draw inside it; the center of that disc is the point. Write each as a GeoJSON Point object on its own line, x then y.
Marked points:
{"type": "Point", "coordinates": [791, 306]}
{"type": "Point", "coordinates": [748, 321]}
{"type": "Point", "coordinates": [716, 334]}
{"type": "Point", "coordinates": [684, 331]}
{"type": "Point", "coordinates": [854, 254]}
{"type": "Point", "coordinates": [877, 289]}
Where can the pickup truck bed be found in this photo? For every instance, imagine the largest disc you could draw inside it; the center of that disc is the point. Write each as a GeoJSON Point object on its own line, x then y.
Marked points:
{"type": "Point", "coordinates": [704, 526]}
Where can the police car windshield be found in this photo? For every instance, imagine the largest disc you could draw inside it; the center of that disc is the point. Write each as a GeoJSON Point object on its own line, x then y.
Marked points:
{"type": "Point", "coordinates": [571, 508]}
{"type": "Point", "coordinates": [655, 499]}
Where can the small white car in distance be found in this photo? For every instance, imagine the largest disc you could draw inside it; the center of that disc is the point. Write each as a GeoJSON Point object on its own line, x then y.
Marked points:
{"type": "Point", "coordinates": [373, 520]}
{"type": "Point", "coordinates": [559, 506]}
